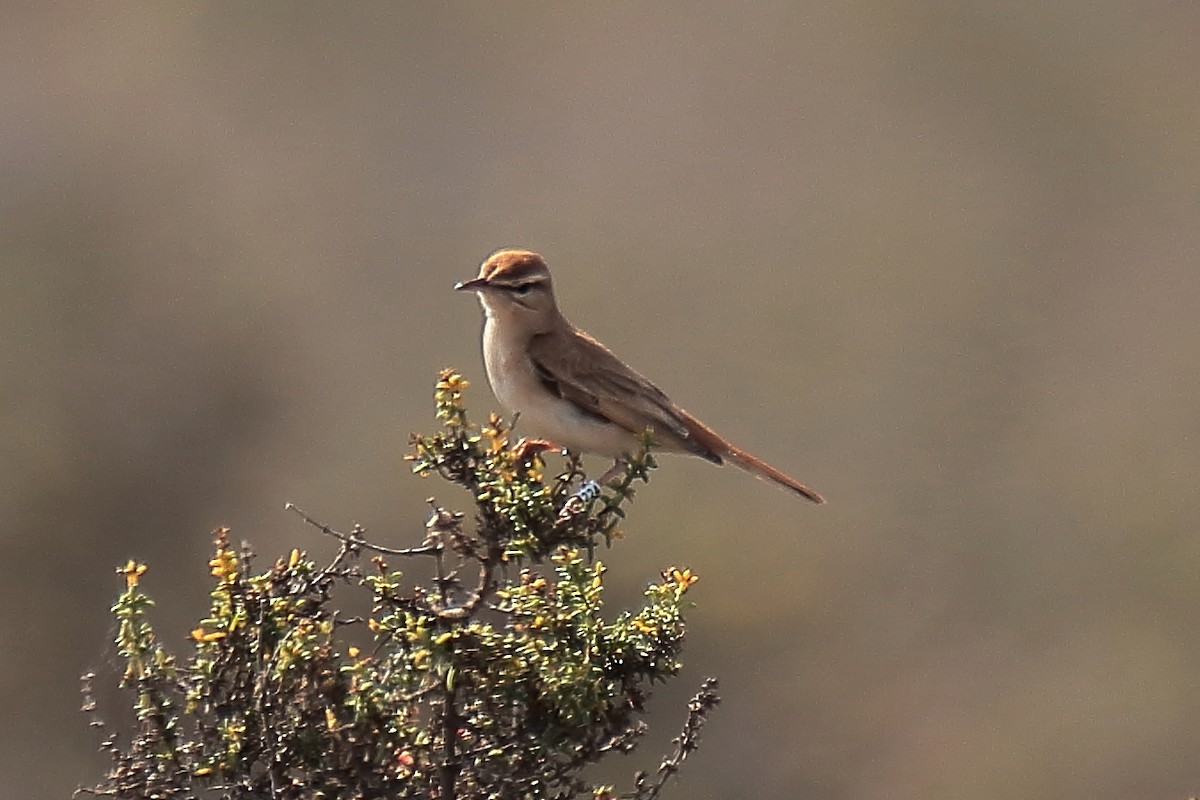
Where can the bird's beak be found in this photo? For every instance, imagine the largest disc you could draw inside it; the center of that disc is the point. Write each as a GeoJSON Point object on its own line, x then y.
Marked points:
{"type": "Point", "coordinates": [470, 286]}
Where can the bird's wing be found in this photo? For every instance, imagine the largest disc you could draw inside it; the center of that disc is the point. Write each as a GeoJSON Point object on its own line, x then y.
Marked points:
{"type": "Point", "coordinates": [590, 376]}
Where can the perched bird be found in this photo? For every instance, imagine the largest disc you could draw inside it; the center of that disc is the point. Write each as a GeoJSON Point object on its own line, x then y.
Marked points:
{"type": "Point", "coordinates": [572, 390]}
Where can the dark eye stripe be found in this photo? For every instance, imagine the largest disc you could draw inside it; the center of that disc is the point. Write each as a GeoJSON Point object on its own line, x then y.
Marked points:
{"type": "Point", "coordinates": [524, 288]}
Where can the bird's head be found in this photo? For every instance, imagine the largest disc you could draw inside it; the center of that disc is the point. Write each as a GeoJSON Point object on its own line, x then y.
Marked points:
{"type": "Point", "coordinates": [514, 283]}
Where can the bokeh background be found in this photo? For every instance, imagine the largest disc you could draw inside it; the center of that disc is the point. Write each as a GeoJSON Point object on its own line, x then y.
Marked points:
{"type": "Point", "coordinates": [941, 259]}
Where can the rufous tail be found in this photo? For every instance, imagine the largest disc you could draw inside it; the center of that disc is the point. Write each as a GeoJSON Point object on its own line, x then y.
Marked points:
{"type": "Point", "coordinates": [740, 458]}
{"type": "Point", "coordinates": [762, 469]}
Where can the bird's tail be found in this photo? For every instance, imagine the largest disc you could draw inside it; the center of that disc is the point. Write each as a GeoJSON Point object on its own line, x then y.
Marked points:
{"type": "Point", "coordinates": [740, 458]}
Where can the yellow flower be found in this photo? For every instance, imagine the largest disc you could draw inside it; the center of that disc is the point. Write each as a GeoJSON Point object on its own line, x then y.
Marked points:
{"type": "Point", "coordinates": [201, 635]}
{"type": "Point", "coordinates": [683, 578]}
{"type": "Point", "coordinates": [451, 381]}
{"type": "Point", "coordinates": [644, 627]}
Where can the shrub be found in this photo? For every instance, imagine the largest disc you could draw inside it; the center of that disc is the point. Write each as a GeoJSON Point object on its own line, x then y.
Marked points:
{"type": "Point", "coordinates": [499, 676]}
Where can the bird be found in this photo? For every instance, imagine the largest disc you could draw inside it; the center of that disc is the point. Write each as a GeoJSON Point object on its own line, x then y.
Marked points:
{"type": "Point", "coordinates": [569, 388]}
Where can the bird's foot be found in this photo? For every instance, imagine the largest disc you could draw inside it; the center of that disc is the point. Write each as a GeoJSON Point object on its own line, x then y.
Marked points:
{"type": "Point", "coordinates": [578, 502]}
{"type": "Point", "coordinates": [529, 448]}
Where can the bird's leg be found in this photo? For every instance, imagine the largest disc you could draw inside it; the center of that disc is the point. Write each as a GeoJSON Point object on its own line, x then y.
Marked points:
{"type": "Point", "coordinates": [616, 469]}
{"type": "Point", "coordinates": [590, 490]}
{"type": "Point", "coordinates": [578, 502]}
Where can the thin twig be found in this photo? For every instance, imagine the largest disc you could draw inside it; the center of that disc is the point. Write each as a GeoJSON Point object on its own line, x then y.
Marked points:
{"type": "Point", "coordinates": [699, 707]}
{"type": "Point", "coordinates": [354, 540]}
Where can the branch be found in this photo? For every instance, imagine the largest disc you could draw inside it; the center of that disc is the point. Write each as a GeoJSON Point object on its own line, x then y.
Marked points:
{"type": "Point", "coordinates": [354, 539]}
{"type": "Point", "coordinates": [699, 707]}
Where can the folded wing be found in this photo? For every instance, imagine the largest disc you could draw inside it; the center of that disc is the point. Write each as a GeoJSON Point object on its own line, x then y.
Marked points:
{"type": "Point", "coordinates": [594, 379]}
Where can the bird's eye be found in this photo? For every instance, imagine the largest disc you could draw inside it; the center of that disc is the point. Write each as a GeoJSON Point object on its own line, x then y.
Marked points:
{"type": "Point", "coordinates": [523, 288]}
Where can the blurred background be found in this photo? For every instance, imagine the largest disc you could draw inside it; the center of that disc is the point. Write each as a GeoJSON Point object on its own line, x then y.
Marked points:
{"type": "Point", "coordinates": [938, 259]}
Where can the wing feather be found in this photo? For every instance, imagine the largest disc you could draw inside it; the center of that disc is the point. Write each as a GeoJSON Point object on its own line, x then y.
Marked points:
{"type": "Point", "coordinates": [589, 375]}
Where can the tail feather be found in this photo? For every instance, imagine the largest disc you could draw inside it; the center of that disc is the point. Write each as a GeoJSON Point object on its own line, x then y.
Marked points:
{"type": "Point", "coordinates": [740, 458]}
{"type": "Point", "coordinates": [762, 469]}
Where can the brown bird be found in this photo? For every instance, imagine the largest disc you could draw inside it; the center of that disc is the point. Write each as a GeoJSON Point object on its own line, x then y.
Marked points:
{"type": "Point", "coordinates": [569, 388]}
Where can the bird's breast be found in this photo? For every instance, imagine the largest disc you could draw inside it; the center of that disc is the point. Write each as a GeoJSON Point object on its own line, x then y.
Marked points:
{"type": "Point", "coordinates": [543, 413]}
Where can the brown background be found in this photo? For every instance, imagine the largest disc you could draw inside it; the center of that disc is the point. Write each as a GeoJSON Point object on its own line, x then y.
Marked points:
{"type": "Point", "coordinates": [940, 259]}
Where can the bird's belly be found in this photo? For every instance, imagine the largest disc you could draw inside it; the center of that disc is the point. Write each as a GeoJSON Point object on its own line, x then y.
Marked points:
{"type": "Point", "coordinates": [562, 423]}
